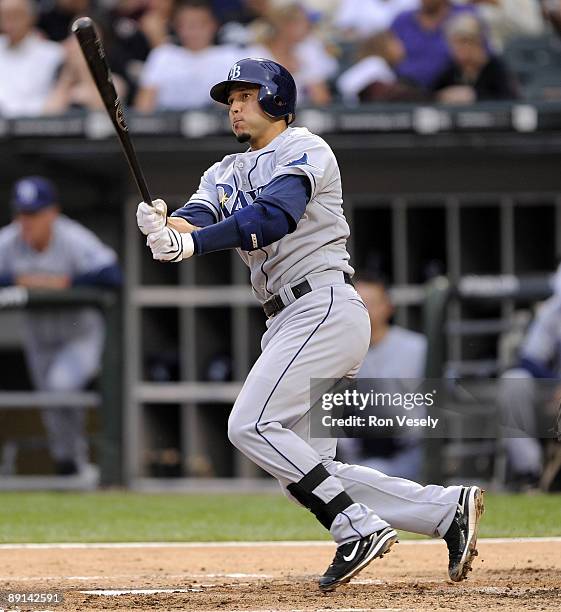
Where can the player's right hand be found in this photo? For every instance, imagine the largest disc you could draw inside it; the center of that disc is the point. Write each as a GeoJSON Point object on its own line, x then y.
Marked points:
{"type": "Point", "coordinates": [151, 219]}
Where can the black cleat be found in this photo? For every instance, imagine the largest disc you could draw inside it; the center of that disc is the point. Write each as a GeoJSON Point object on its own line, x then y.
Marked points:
{"type": "Point", "coordinates": [352, 557]}
{"type": "Point", "coordinates": [461, 537]}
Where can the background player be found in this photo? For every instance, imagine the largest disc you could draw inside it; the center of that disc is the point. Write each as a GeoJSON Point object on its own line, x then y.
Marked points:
{"type": "Point", "coordinates": [43, 249]}
{"type": "Point", "coordinates": [280, 204]}
{"type": "Point", "coordinates": [539, 357]}
{"type": "Point", "coordinates": [394, 353]}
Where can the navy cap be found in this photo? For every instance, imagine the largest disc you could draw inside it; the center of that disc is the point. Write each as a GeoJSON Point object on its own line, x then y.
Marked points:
{"type": "Point", "coordinates": [33, 193]}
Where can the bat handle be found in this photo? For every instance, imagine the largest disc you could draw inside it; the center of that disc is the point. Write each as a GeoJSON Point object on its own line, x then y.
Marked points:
{"type": "Point", "coordinates": [146, 197]}
{"type": "Point", "coordinates": [137, 173]}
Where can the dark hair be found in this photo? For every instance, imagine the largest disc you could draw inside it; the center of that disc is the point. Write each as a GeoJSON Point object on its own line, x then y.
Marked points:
{"type": "Point", "coordinates": [195, 4]}
{"type": "Point", "coordinates": [373, 277]}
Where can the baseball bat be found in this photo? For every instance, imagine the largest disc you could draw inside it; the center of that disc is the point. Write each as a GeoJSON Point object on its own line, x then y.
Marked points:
{"type": "Point", "coordinates": [94, 53]}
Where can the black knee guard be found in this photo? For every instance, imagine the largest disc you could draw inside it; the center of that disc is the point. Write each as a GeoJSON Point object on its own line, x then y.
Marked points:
{"type": "Point", "coordinates": [303, 492]}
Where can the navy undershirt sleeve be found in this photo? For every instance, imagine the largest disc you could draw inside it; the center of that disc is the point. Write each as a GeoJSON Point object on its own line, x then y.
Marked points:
{"type": "Point", "coordinates": [6, 279]}
{"type": "Point", "coordinates": [109, 276]}
{"type": "Point", "coordinates": [535, 368]}
{"type": "Point", "coordinates": [272, 215]}
{"type": "Point", "coordinates": [196, 213]}
{"type": "Point", "coordinates": [289, 192]}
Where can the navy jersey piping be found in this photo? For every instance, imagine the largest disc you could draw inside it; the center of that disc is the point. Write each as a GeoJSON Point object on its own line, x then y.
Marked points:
{"type": "Point", "coordinates": [263, 271]}
{"type": "Point", "coordinates": [255, 165]}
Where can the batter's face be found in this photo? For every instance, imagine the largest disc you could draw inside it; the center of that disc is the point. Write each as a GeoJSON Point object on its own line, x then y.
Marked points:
{"type": "Point", "coordinates": [249, 122]}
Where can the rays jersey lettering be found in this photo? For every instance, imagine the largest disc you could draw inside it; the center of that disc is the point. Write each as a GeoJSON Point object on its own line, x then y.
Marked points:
{"type": "Point", "coordinates": [319, 241]}
{"type": "Point", "coordinates": [231, 200]}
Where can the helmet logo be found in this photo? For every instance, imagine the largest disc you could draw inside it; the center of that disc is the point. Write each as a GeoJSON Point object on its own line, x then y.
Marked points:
{"type": "Point", "coordinates": [234, 72]}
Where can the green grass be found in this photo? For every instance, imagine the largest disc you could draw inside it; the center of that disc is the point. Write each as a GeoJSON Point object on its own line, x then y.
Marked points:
{"type": "Point", "coordinates": [122, 516]}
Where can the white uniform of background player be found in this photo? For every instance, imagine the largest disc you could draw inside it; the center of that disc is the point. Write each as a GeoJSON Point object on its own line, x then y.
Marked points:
{"type": "Point", "coordinates": [318, 328]}
{"type": "Point", "coordinates": [45, 250]}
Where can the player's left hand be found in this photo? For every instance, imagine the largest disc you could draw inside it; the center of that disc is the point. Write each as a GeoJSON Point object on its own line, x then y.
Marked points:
{"type": "Point", "coordinates": [170, 245]}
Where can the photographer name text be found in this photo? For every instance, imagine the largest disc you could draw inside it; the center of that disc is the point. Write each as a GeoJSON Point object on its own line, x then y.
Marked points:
{"type": "Point", "coordinates": [376, 421]}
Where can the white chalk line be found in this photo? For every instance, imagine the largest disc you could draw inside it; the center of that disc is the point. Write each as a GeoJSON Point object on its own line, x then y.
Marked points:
{"type": "Point", "coordinates": [271, 543]}
{"type": "Point", "coordinates": [117, 592]}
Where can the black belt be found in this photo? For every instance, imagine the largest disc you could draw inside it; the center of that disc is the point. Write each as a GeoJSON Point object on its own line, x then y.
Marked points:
{"type": "Point", "coordinates": [275, 304]}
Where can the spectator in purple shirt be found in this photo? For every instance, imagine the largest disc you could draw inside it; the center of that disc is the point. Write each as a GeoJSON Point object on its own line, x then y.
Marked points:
{"type": "Point", "coordinates": [422, 33]}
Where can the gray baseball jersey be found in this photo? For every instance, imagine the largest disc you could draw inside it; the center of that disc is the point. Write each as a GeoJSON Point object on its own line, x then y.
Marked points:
{"type": "Point", "coordinates": [400, 354]}
{"type": "Point", "coordinates": [397, 363]}
{"type": "Point", "coordinates": [319, 241]}
{"type": "Point", "coordinates": [323, 334]}
{"type": "Point", "coordinates": [543, 340]}
{"type": "Point", "coordinates": [73, 250]}
{"type": "Point", "coordinates": [63, 347]}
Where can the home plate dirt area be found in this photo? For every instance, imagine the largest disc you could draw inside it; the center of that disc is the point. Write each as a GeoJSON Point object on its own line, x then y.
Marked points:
{"type": "Point", "coordinates": [507, 575]}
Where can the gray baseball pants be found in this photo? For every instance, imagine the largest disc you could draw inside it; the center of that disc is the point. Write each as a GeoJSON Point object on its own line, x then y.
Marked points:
{"type": "Point", "coordinates": [67, 366]}
{"type": "Point", "coordinates": [324, 334]}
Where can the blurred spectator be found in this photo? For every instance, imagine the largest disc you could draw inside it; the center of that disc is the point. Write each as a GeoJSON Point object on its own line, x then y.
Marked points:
{"type": "Point", "coordinates": [475, 74]}
{"type": "Point", "coordinates": [56, 17]}
{"type": "Point", "coordinates": [394, 353]}
{"type": "Point", "coordinates": [28, 63]}
{"type": "Point", "coordinates": [357, 19]}
{"type": "Point", "coordinates": [42, 249]}
{"type": "Point", "coordinates": [422, 33]}
{"type": "Point", "coordinates": [373, 77]}
{"type": "Point", "coordinates": [156, 22]}
{"type": "Point", "coordinates": [240, 11]}
{"type": "Point", "coordinates": [126, 45]}
{"type": "Point", "coordinates": [180, 77]}
{"type": "Point", "coordinates": [288, 39]}
{"type": "Point", "coordinates": [505, 19]}
{"type": "Point", "coordinates": [130, 9]}
{"type": "Point", "coordinates": [74, 88]}
{"type": "Point", "coordinates": [318, 10]}
{"type": "Point", "coordinates": [552, 12]}
{"type": "Point", "coordinates": [236, 18]}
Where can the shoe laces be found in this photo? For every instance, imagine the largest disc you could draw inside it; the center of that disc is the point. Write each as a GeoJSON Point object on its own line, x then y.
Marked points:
{"type": "Point", "coordinates": [341, 552]}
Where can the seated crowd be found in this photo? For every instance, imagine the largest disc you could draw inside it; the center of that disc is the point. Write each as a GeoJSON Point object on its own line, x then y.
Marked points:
{"type": "Point", "coordinates": [165, 54]}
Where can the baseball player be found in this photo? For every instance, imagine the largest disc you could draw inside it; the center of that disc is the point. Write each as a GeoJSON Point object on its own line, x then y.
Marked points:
{"type": "Point", "coordinates": [539, 357]}
{"type": "Point", "coordinates": [42, 249]}
{"type": "Point", "coordinates": [279, 204]}
{"type": "Point", "coordinates": [394, 353]}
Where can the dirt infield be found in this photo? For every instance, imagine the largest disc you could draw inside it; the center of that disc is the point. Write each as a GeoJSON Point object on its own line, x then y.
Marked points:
{"type": "Point", "coordinates": [507, 576]}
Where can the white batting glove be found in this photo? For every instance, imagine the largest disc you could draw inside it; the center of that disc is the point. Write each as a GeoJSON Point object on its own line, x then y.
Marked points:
{"type": "Point", "coordinates": [151, 219]}
{"type": "Point", "coordinates": [170, 245]}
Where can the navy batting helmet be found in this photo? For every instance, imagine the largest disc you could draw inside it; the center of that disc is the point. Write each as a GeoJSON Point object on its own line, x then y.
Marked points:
{"type": "Point", "coordinates": [277, 90]}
